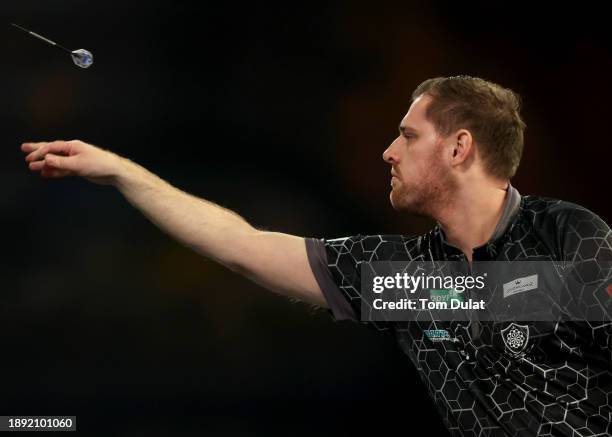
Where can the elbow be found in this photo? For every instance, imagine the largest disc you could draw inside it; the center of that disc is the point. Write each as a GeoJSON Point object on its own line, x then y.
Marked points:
{"type": "Point", "coordinates": [244, 255]}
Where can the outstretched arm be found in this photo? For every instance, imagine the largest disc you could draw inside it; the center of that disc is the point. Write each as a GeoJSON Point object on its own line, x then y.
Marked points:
{"type": "Point", "coordinates": [274, 260]}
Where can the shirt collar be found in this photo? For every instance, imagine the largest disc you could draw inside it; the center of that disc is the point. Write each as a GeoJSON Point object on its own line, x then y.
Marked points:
{"type": "Point", "coordinates": [511, 207]}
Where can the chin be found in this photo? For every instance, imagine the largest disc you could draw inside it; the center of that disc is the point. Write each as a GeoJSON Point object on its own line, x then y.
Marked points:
{"type": "Point", "coordinates": [401, 202]}
{"type": "Point", "coordinates": [391, 200]}
{"type": "Point", "coordinates": [397, 202]}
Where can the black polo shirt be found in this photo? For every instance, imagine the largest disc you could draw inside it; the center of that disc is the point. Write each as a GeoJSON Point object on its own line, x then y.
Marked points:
{"type": "Point", "coordinates": [560, 383]}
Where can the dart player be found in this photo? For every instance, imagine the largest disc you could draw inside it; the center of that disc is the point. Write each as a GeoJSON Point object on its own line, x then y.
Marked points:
{"type": "Point", "coordinates": [458, 147]}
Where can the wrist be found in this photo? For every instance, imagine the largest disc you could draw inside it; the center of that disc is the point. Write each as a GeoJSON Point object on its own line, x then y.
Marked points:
{"type": "Point", "coordinates": [123, 173]}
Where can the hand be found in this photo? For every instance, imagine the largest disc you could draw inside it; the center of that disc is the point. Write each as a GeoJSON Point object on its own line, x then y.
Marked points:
{"type": "Point", "coordinates": [73, 158]}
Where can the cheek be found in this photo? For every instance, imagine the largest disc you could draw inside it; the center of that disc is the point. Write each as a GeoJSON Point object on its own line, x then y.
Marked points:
{"type": "Point", "coordinates": [419, 163]}
{"type": "Point", "coordinates": [435, 159]}
{"type": "Point", "coordinates": [422, 160]}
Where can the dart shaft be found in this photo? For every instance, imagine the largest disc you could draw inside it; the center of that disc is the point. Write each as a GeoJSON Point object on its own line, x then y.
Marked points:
{"type": "Point", "coordinates": [34, 34]}
{"type": "Point", "coordinates": [43, 38]}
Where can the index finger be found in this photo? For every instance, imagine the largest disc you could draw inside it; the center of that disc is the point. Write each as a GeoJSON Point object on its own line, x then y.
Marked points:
{"type": "Point", "coordinates": [61, 147]}
{"type": "Point", "coordinates": [30, 147]}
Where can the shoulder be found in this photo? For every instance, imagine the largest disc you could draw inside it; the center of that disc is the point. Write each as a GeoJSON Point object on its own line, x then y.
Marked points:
{"type": "Point", "coordinates": [373, 247]}
{"type": "Point", "coordinates": [547, 211]}
{"type": "Point", "coordinates": [572, 226]}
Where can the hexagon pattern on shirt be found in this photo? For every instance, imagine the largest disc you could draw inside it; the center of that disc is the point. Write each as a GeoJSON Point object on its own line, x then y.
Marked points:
{"type": "Point", "coordinates": [561, 381]}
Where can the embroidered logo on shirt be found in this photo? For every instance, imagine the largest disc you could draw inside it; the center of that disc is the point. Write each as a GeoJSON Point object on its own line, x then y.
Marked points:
{"type": "Point", "coordinates": [515, 338]}
{"type": "Point", "coordinates": [438, 335]}
{"type": "Point", "coordinates": [519, 285]}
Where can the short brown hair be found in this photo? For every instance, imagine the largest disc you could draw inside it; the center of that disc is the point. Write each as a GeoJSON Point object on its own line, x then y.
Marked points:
{"type": "Point", "coordinates": [489, 111]}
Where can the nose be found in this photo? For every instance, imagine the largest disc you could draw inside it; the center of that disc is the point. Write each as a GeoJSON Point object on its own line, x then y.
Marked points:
{"type": "Point", "coordinates": [390, 155]}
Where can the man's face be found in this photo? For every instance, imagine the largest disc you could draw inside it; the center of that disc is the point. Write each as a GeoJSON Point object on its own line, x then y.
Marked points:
{"type": "Point", "coordinates": [422, 177]}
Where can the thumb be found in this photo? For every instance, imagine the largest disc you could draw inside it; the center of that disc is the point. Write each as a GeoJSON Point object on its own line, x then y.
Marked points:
{"type": "Point", "coordinates": [58, 162]}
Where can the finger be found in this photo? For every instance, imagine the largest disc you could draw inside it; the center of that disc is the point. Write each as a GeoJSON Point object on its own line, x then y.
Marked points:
{"type": "Point", "coordinates": [30, 147]}
{"type": "Point", "coordinates": [58, 162]}
{"type": "Point", "coordinates": [37, 153]}
{"type": "Point", "coordinates": [46, 170]}
{"type": "Point", "coordinates": [36, 165]}
{"type": "Point", "coordinates": [59, 147]}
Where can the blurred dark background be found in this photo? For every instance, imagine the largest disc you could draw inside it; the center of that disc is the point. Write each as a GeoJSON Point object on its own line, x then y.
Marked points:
{"type": "Point", "coordinates": [280, 113]}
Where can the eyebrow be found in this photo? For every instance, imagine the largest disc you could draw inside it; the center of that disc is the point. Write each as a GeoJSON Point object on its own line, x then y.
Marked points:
{"type": "Point", "coordinates": [404, 129]}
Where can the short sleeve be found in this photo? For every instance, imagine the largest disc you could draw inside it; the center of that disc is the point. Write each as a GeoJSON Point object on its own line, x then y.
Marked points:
{"type": "Point", "coordinates": [336, 298]}
{"type": "Point", "coordinates": [336, 264]}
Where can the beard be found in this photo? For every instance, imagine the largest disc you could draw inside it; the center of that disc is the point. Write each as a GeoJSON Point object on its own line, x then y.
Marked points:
{"type": "Point", "coordinates": [426, 196]}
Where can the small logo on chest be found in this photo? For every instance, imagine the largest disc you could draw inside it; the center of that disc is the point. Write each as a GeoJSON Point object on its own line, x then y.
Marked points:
{"type": "Point", "coordinates": [519, 285]}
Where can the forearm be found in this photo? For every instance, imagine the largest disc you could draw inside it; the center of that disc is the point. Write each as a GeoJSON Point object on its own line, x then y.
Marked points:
{"type": "Point", "coordinates": [275, 260]}
{"type": "Point", "coordinates": [207, 228]}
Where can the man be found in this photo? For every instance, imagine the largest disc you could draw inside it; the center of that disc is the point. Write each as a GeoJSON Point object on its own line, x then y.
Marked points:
{"type": "Point", "coordinates": [459, 145]}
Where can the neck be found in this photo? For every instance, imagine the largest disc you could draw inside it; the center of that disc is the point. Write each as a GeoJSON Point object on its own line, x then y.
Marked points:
{"type": "Point", "coordinates": [471, 217]}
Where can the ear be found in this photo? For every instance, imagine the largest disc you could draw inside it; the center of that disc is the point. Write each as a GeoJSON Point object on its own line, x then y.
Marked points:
{"type": "Point", "coordinates": [461, 147]}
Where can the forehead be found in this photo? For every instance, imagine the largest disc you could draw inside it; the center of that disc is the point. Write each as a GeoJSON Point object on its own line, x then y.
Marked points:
{"type": "Point", "coordinates": [416, 116]}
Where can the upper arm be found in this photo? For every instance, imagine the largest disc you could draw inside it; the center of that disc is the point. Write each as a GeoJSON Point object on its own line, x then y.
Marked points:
{"type": "Point", "coordinates": [279, 262]}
